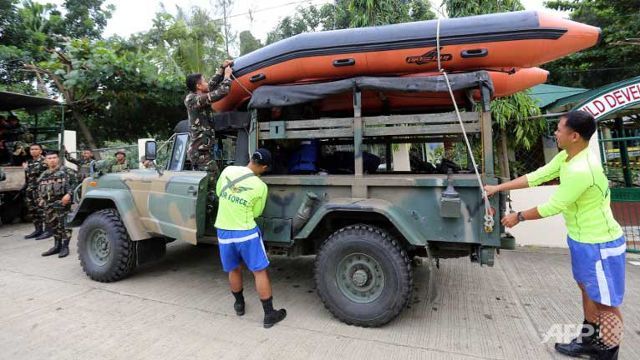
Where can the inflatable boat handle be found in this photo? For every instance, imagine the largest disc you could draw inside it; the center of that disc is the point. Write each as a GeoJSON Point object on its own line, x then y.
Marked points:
{"type": "Point", "coordinates": [474, 53]}
{"type": "Point", "coordinates": [258, 77]}
{"type": "Point", "coordinates": [344, 62]}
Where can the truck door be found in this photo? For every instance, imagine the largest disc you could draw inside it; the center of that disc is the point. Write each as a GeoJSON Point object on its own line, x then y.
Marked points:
{"type": "Point", "coordinates": [177, 203]}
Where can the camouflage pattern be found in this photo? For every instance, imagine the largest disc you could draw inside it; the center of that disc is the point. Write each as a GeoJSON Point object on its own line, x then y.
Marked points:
{"type": "Point", "coordinates": [176, 204]}
{"type": "Point", "coordinates": [53, 185]}
{"type": "Point", "coordinates": [201, 123]}
{"type": "Point", "coordinates": [17, 140]}
{"type": "Point", "coordinates": [149, 203]}
{"type": "Point", "coordinates": [82, 164]}
{"type": "Point", "coordinates": [35, 168]}
{"type": "Point", "coordinates": [116, 167]}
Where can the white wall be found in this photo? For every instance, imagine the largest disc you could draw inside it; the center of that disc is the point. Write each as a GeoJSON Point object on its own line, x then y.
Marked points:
{"type": "Point", "coordinates": [549, 232]}
{"type": "Point", "coordinates": [70, 145]}
{"type": "Point", "coordinates": [401, 157]}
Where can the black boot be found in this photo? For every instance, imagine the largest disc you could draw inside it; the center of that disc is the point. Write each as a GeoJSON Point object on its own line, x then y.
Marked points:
{"type": "Point", "coordinates": [609, 354]}
{"type": "Point", "coordinates": [54, 250]}
{"type": "Point", "coordinates": [238, 306]}
{"type": "Point", "coordinates": [64, 249]}
{"type": "Point", "coordinates": [37, 232]}
{"type": "Point", "coordinates": [45, 235]}
{"type": "Point", "coordinates": [271, 316]}
{"type": "Point", "coordinates": [583, 344]}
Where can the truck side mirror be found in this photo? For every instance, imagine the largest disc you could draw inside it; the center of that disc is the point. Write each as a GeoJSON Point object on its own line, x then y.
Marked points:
{"type": "Point", "coordinates": [150, 148]}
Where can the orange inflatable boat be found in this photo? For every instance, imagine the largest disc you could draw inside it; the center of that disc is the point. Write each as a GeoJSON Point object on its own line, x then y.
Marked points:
{"type": "Point", "coordinates": [492, 42]}
{"type": "Point", "coordinates": [504, 84]}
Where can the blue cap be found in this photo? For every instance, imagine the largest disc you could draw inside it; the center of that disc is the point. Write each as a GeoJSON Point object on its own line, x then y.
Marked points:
{"type": "Point", "coordinates": [262, 156]}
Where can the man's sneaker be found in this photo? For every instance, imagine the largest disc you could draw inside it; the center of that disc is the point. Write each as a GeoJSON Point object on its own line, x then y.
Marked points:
{"type": "Point", "coordinates": [274, 317]}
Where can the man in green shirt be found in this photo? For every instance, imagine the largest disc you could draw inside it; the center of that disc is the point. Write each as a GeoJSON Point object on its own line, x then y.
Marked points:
{"type": "Point", "coordinates": [596, 241]}
{"type": "Point", "coordinates": [242, 197]}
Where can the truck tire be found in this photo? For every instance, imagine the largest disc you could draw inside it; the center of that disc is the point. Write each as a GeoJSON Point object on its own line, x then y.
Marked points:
{"type": "Point", "coordinates": [7, 215]}
{"type": "Point", "coordinates": [363, 276]}
{"type": "Point", "coordinates": [12, 208]}
{"type": "Point", "coordinates": [105, 250]}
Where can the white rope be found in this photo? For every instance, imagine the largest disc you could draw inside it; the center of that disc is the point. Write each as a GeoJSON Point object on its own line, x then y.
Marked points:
{"type": "Point", "coordinates": [239, 83]}
{"type": "Point", "coordinates": [488, 218]}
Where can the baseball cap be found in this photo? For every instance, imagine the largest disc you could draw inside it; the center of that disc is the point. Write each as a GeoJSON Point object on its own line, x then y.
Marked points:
{"type": "Point", "coordinates": [262, 156]}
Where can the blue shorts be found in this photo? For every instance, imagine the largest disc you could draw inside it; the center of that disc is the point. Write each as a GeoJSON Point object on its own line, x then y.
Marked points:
{"type": "Point", "coordinates": [245, 246]}
{"type": "Point", "coordinates": [600, 269]}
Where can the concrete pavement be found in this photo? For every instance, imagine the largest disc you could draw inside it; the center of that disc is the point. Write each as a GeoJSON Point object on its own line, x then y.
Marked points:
{"type": "Point", "coordinates": [180, 308]}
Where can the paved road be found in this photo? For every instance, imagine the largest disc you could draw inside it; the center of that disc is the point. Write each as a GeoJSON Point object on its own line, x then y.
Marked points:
{"type": "Point", "coordinates": [180, 308]}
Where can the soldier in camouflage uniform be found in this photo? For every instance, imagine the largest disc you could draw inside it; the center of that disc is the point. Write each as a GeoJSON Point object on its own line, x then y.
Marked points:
{"type": "Point", "coordinates": [120, 164]}
{"type": "Point", "coordinates": [32, 170]}
{"type": "Point", "coordinates": [83, 164]}
{"type": "Point", "coordinates": [55, 192]}
{"type": "Point", "coordinates": [17, 140]}
{"type": "Point", "coordinates": [198, 104]}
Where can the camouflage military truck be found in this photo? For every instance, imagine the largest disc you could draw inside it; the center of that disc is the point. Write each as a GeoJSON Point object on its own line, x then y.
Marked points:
{"type": "Point", "coordinates": [364, 223]}
{"type": "Point", "coordinates": [12, 204]}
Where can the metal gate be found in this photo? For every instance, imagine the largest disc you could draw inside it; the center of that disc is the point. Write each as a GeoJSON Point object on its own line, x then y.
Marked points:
{"type": "Point", "coordinates": [620, 160]}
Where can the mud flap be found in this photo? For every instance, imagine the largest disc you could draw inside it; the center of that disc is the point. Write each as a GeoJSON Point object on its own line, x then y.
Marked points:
{"type": "Point", "coordinates": [150, 250]}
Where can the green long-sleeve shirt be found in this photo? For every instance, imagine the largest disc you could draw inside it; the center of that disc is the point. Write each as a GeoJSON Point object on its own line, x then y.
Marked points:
{"type": "Point", "coordinates": [583, 197]}
{"type": "Point", "coordinates": [240, 204]}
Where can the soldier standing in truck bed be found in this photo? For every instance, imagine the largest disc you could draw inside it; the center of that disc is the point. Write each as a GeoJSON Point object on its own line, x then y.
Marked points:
{"type": "Point", "coordinates": [55, 191]}
{"type": "Point", "coordinates": [120, 164]}
{"type": "Point", "coordinates": [83, 164]}
{"type": "Point", "coordinates": [32, 171]}
{"type": "Point", "coordinates": [198, 104]}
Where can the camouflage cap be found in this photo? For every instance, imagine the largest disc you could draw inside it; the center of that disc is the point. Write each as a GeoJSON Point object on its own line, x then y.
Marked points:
{"type": "Point", "coordinates": [121, 151]}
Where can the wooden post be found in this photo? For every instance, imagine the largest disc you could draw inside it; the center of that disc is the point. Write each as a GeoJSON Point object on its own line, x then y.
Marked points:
{"type": "Point", "coordinates": [487, 133]}
{"type": "Point", "coordinates": [253, 132]}
{"type": "Point", "coordinates": [504, 156]}
{"type": "Point", "coordinates": [357, 132]}
{"type": "Point", "coordinates": [359, 187]}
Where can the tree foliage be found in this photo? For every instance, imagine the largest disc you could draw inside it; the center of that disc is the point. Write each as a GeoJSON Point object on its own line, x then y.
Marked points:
{"type": "Point", "coordinates": [615, 58]}
{"type": "Point", "coordinates": [114, 89]}
{"type": "Point", "coordinates": [188, 42]}
{"type": "Point", "coordinates": [459, 8]}
{"type": "Point", "coordinates": [510, 113]}
{"type": "Point", "coordinates": [248, 43]}
{"type": "Point", "coordinates": [343, 14]}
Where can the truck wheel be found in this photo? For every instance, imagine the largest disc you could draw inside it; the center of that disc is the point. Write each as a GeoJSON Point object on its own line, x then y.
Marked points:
{"type": "Point", "coordinates": [105, 250]}
{"type": "Point", "coordinates": [363, 276]}
{"type": "Point", "coordinates": [13, 207]}
{"type": "Point", "coordinates": [7, 215]}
